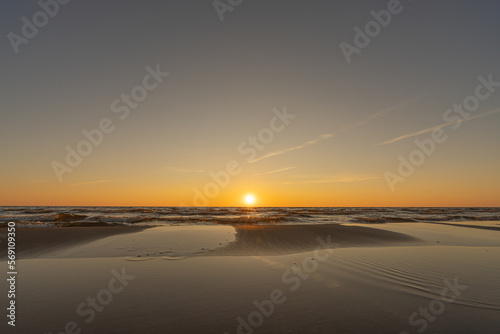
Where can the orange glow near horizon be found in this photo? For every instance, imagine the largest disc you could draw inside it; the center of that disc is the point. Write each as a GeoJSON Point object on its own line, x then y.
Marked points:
{"type": "Point", "coordinates": [360, 194]}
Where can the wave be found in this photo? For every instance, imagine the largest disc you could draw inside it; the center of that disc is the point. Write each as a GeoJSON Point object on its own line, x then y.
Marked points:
{"type": "Point", "coordinates": [17, 218]}
{"type": "Point", "coordinates": [68, 217]}
{"type": "Point", "coordinates": [62, 216]}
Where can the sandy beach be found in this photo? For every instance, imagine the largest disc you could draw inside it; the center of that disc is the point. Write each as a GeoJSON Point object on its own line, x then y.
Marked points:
{"type": "Point", "coordinates": [250, 167]}
{"type": "Point", "coordinates": [258, 279]}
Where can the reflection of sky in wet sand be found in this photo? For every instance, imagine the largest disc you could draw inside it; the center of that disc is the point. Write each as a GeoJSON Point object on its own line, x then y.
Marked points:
{"type": "Point", "coordinates": [170, 241]}
{"type": "Point", "coordinates": [354, 290]}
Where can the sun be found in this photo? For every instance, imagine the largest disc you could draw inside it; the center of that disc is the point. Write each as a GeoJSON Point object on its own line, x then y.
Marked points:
{"type": "Point", "coordinates": [249, 199]}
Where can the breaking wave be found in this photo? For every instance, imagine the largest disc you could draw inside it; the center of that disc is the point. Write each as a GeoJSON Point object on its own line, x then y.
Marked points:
{"type": "Point", "coordinates": [154, 216]}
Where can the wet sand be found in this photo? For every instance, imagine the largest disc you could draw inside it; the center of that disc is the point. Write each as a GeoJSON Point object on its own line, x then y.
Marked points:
{"type": "Point", "coordinates": [36, 242]}
{"type": "Point", "coordinates": [286, 239]}
{"type": "Point", "coordinates": [219, 279]}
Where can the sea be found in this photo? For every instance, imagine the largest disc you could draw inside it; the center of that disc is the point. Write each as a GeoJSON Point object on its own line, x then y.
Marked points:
{"type": "Point", "coordinates": [47, 216]}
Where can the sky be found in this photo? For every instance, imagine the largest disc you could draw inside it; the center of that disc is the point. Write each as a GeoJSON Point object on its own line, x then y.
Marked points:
{"type": "Point", "coordinates": [300, 103]}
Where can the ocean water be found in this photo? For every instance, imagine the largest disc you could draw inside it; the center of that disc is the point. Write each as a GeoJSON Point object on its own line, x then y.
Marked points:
{"type": "Point", "coordinates": [44, 216]}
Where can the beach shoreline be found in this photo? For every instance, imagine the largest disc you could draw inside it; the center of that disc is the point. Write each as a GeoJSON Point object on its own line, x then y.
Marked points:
{"type": "Point", "coordinates": [255, 239]}
{"type": "Point", "coordinates": [209, 279]}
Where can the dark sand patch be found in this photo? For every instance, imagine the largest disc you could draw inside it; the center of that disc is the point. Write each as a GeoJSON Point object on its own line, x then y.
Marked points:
{"type": "Point", "coordinates": [31, 242]}
{"type": "Point", "coordinates": [481, 227]}
{"type": "Point", "coordinates": [288, 239]}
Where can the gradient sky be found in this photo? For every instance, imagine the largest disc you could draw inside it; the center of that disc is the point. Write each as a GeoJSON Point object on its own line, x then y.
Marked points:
{"type": "Point", "coordinates": [352, 121]}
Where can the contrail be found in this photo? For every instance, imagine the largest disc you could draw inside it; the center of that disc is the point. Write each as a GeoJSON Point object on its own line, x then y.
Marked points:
{"type": "Point", "coordinates": [440, 126]}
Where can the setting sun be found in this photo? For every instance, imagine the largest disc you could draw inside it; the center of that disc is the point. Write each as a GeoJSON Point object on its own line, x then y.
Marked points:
{"type": "Point", "coordinates": [249, 199]}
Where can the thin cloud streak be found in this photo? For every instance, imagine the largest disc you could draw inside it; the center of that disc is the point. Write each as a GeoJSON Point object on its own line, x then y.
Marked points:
{"type": "Point", "coordinates": [308, 143]}
{"type": "Point", "coordinates": [182, 170]}
{"type": "Point", "coordinates": [337, 179]}
{"type": "Point", "coordinates": [275, 171]}
{"type": "Point", "coordinates": [388, 110]}
{"type": "Point", "coordinates": [440, 126]}
{"type": "Point", "coordinates": [363, 121]}
{"type": "Point", "coordinates": [88, 182]}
